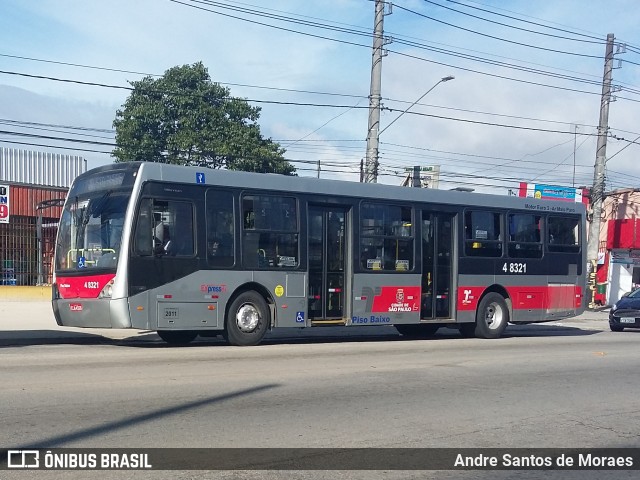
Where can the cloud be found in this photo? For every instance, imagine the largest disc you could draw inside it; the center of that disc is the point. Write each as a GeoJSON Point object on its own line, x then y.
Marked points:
{"type": "Point", "coordinates": [25, 106]}
{"type": "Point", "coordinates": [149, 37]}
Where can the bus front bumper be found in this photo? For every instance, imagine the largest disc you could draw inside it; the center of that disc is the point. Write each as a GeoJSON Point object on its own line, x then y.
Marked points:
{"type": "Point", "coordinates": [92, 312]}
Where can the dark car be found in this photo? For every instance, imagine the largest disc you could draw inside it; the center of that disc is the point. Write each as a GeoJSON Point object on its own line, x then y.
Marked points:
{"type": "Point", "coordinates": [625, 313]}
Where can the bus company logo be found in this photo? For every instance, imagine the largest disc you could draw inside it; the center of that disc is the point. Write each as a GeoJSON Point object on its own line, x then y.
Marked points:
{"type": "Point", "coordinates": [23, 459]}
{"type": "Point", "coordinates": [213, 288]}
{"type": "Point", "coordinates": [402, 304]}
{"type": "Point", "coordinates": [467, 298]}
{"type": "Point", "coordinates": [75, 307]}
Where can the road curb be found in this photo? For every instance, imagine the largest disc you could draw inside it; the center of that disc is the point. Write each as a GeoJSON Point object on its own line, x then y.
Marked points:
{"type": "Point", "coordinates": [17, 293]}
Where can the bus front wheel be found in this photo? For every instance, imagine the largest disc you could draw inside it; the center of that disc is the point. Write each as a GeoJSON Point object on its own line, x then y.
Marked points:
{"type": "Point", "coordinates": [175, 337]}
{"type": "Point", "coordinates": [492, 316]}
{"type": "Point", "coordinates": [248, 319]}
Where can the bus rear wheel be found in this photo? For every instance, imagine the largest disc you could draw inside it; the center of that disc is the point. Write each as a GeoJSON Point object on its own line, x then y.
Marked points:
{"type": "Point", "coordinates": [175, 337]}
{"type": "Point", "coordinates": [418, 331]}
{"type": "Point", "coordinates": [492, 316]}
{"type": "Point", "coordinates": [248, 319]}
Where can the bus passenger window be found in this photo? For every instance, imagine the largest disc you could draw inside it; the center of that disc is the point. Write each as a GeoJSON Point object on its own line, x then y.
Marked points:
{"type": "Point", "coordinates": [386, 238]}
{"type": "Point", "coordinates": [270, 232]}
{"type": "Point", "coordinates": [563, 234]}
{"type": "Point", "coordinates": [164, 228]}
{"type": "Point", "coordinates": [181, 243]}
{"type": "Point", "coordinates": [220, 228]}
{"type": "Point", "coordinates": [524, 239]}
{"type": "Point", "coordinates": [483, 233]}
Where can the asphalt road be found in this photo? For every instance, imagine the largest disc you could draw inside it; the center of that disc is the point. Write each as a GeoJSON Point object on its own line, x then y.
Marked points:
{"type": "Point", "coordinates": [541, 386]}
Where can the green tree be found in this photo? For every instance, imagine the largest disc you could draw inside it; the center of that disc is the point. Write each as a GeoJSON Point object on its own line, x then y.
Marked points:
{"type": "Point", "coordinates": [184, 118]}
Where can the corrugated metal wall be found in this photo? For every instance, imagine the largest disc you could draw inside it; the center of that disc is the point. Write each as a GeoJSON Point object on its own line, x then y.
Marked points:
{"type": "Point", "coordinates": [25, 199]}
{"type": "Point", "coordinates": [39, 168]}
{"type": "Point", "coordinates": [42, 176]}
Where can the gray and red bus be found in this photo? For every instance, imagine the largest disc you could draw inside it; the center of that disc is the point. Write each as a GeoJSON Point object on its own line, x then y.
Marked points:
{"type": "Point", "coordinates": [187, 251]}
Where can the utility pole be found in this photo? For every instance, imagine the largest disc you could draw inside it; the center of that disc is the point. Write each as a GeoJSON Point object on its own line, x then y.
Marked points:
{"type": "Point", "coordinates": [575, 134]}
{"type": "Point", "coordinates": [597, 192]}
{"type": "Point", "coordinates": [371, 166]}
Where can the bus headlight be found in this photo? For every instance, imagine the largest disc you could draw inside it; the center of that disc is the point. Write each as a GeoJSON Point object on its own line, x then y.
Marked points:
{"type": "Point", "coordinates": [107, 291]}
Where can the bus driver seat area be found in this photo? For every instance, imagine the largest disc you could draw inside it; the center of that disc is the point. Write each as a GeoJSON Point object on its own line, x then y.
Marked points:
{"type": "Point", "coordinates": [161, 236]}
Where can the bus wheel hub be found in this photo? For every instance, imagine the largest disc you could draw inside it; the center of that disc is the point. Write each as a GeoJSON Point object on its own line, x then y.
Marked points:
{"type": "Point", "coordinates": [247, 318]}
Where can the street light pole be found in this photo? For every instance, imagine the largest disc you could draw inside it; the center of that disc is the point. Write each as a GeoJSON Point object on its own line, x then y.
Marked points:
{"type": "Point", "coordinates": [443, 79]}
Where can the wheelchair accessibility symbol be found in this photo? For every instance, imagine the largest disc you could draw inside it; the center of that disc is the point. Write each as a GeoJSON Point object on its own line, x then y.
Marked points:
{"type": "Point", "coordinates": [82, 262]}
{"type": "Point", "coordinates": [299, 317]}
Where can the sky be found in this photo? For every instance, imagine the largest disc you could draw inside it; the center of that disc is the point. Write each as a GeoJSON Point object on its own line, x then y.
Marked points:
{"type": "Point", "coordinates": [524, 104]}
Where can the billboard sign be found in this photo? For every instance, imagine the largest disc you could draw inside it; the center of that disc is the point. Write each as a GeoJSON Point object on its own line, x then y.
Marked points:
{"type": "Point", "coordinates": [4, 203]}
{"type": "Point", "coordinates": [551, 192]}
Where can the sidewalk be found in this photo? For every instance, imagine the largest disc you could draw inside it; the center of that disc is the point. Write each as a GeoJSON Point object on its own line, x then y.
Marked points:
{"type": "Point", "coordinates": [30, 321]}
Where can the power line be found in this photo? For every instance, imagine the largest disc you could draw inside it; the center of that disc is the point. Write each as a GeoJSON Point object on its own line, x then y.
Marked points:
{"type": "Point", "coordinates": [307, 104]}
{"type": "Point", "coordinates": [354, 171]}
{"type": "Point", "coordinates": [598, 39]}
{"type": "Point", "coordinates": [498, 38]}
{"type": "Point", "coordinates": [492, 159]}
{"type": "Point", "coordinates": [281, 89]}
{"type": "Point", "coordinates": [503, 76]}
{"type": "Point", "coordinates": [245, 85]}
{"type": "Point", "coordinates": [367, 46]}
{"type": "Point", "coordinates": [600, 42]}
{"type": "Point", "coordinates": [324, 25]}
{"type": "Point", "coordinates": [511, 66]}
{"type": "Point", "coordinates": [13, 124]}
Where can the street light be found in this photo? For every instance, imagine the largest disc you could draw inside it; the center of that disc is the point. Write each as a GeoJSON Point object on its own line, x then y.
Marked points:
{"type": "Point", "coordinates": [443, 79]}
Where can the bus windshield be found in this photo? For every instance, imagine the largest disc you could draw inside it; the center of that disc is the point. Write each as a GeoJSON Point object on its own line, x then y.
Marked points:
{"type": "Point", "coordinates": [90, 231]}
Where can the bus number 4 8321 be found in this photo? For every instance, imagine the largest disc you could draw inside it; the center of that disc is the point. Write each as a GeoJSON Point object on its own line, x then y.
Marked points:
{"type": "Point", "coordinates": [514, 267]}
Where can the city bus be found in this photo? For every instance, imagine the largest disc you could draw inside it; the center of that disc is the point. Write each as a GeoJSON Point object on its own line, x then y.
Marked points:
{"type": "Point", "coordinates": [188, 251]}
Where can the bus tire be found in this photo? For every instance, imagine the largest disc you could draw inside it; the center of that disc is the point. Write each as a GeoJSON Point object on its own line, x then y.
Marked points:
{"type": "Point", "coordinates": [177, 337]}
{"type": "Point", "coordinates": [492, 316]}
{"type": "Point", "coordinates": [248, 319]}
{"type": "Point", "coordinates": [418, 331]}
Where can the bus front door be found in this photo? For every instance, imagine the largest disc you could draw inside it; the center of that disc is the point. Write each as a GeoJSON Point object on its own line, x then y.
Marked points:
{"type": "Point", "coordinates": [437, 249]}
{"type": "Point", "coordinates": [327, 252]}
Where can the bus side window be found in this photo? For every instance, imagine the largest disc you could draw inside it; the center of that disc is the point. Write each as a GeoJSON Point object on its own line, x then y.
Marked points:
{"type": "Point", "coordinates": [386, 237]}
{"type": "Point", "coordinates": [524, 240]}
{"type": "Point", "coordinates": [220, 228]}
{"type": "Point", "coordinates": [181, 243]}
{"type": "Point", "coordinates": [270, 231]}
{"type": "Point", "coordinates": [563, 234]}
{"type": "Point", "coordinates": [143, 244]}
{"type": "Point", "coordinates": [250, 252]}
{"type": "Point", "coordinates": [164, 227]}
{"type": "Point", "coordinates": [483, 233]}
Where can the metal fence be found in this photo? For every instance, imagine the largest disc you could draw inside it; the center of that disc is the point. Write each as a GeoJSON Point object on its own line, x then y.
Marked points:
{"type": "Point", "coordinates": [26, 259]}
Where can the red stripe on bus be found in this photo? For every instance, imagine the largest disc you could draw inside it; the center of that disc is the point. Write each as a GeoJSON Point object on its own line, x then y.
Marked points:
{"type": "Point", "coordinates": [548, 297]}
{"type": "Point", "coordinates": [88, 286]}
